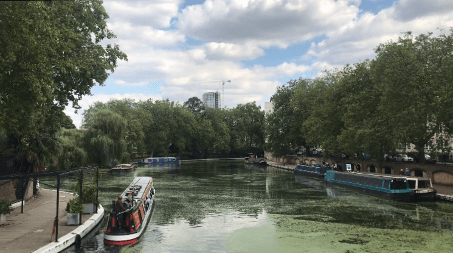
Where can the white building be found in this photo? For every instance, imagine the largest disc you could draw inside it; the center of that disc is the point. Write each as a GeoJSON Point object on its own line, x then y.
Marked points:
{"type": "Point", "coordinates": [268, 107]}
{"type": "Point", "coordinates": [211, 99]}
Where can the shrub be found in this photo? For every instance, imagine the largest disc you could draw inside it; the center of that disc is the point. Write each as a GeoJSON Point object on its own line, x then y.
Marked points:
{"type": "Point", "coordinates": [5, 206]}
{"type": "Point", "coordinates": [74, 206]}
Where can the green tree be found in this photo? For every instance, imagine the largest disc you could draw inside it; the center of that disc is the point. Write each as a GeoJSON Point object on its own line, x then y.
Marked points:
{"type": "Point", "coordinates": [134, 117]}
{"type": "Point", "coordinates": [73, 154]}
{"type": "Point", "coordinates": [284, 126]}
{"type": "Point", "coordinates": [414, 75]}
{"type": "Point", "coordinates": [104, 138]}
{"type": "Point", "coordinates": [183, 128]}
{"type": "Point", "coordinates": [219, 140]}
{"type": "Point", "coordinates": [246, 126]}
{"type": "Point", "coordinates": [157, 131]}
{"type": "Point", "coordinates": [51, 54]}
{"type": "Point", "coordinates": [324, 124]}
{"type": "Point", "coordinates": [194, 104]}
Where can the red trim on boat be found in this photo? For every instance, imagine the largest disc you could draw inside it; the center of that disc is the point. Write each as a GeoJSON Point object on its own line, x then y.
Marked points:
{"type": "Point", "coordinates": [120, 242]}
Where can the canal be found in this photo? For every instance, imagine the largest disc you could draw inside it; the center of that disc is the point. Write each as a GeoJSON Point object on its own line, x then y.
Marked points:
{"type": "Point", "coordinates": [229, 206]}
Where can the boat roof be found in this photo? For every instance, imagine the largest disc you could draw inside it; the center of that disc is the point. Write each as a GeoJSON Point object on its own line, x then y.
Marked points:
{"type": "Point", "coordinates": [388, 175]}
{"type": "Point", "coordinates": [372, 175]}
{"type": "Point", "coordinates": [138, 182]}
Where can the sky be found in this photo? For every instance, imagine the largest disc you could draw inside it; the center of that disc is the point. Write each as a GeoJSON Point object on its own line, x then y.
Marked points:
{"type": "Point", "coordinates": [178, 49]}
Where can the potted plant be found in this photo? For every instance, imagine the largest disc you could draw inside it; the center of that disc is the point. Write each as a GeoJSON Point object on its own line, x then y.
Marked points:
{"type": "Point", "coordinates": [74, 208]}
{"type": "Point", "coordinates": [5, 208]}
{"type": "Point", "coordinates": [89, 200]}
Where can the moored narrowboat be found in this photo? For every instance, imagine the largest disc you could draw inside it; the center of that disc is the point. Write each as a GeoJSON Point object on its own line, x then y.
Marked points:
{"type": "Point", "coordinates": [254, 159]}
{"type": "Point", "coordinates": [122, 168]}
{"type": "Point", "coordinates": [160, 160]}
{"type": "Point", "coordinates": [315, 170]}
{"type": "Point", "coordinates": [389, 187]}
{"type": "Point", "coordinates": [126, 225]}
{"type": "Point", "coordinates": [422, 187]}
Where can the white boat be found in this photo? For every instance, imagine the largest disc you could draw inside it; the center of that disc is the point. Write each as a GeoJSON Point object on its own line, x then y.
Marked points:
{"type": "Point", "coordinates": [121, 168]}
{"type": "Point", "coordinates": [422, 187]}
{"type": "Point", "coordinates": [133, 221]}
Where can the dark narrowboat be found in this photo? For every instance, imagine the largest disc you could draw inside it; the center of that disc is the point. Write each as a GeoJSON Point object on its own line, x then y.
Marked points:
{"type": "Point", "coordinates": [254, 159]}
{"type": "Point", "coordinates": [422, 187]}
{"type": "Point", "coordinates": [127, 226]}
{"type": "Point", "coordinates": [315, 170]}
{"type": "Point", "coordinates": [389, 187]}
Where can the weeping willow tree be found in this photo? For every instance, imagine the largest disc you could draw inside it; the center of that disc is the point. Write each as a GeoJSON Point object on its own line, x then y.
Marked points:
{"type": "Point", "coordinates": [105, 138]}
{"type": "Point", "coordinates": [73, 155]}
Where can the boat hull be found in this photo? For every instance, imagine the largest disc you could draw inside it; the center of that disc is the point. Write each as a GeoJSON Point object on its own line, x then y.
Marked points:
{"type": "Point", "coordinates": [116, 239]}
{"type": "Point", "coordinates": [403, 197]}
{"type": "Point", "coordinates": [375, 185]}
{"type": "Point", "coordinates": [428, 196]}
{"type": "Point", "coordinates": [313, 171]}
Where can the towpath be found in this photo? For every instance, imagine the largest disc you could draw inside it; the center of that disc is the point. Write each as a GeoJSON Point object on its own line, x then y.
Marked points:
{"type": "Point", "coordinates": [31, 230]}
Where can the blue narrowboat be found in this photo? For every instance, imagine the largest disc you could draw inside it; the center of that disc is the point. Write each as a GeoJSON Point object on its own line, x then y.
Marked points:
{"type": "Point", "coordinates": [160, 160]}
{"type": "Point", "coordinates": [311, 170]}
{"type": "Point", "coordinates": [389, 187]}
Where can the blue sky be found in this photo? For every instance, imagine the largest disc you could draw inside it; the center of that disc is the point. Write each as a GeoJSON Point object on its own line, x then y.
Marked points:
{"type": "Point", "coordinates": [180, 49]}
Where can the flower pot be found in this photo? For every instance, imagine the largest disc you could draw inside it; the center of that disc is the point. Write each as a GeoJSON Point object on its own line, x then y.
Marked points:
{"type": "Point", "coordinates": [2, 218]}
{"type": "Point", "coordinates": [89, 208]}
{"type": "Point", "coordinates": [73, 219]}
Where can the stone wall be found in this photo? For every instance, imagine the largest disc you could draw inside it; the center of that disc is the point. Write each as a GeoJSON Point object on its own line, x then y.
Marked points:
{"type": "Point", "coordinates": [29, 191]}
{"type": "Point", "coordinates": [7, 190]}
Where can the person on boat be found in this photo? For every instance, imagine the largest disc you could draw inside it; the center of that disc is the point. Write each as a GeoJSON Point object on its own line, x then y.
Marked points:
{"type": "Point", "coordinates": [119, 207]}
{"type": "Point", "coordinates": [129, 201]}
{"type": "Point", "coordinates": [148, 202]}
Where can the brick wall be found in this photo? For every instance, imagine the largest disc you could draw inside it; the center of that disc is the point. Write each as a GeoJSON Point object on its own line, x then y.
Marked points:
{"type": "Point", "coordinates": [443, 178]}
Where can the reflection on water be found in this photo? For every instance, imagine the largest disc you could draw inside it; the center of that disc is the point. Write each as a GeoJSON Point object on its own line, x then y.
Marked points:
{"type": "Point", "coordinates": [228, 206]}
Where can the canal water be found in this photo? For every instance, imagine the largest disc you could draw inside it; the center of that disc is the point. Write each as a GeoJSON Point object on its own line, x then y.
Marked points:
{"type": "Point", "coordinates": [229, 206]}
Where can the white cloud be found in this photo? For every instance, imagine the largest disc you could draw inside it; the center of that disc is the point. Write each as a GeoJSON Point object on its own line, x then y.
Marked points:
{"type": "Point", "coordinates": [232, 51]}
{"type": "Point", "coordinates": [408, 10]}
{"type": "Point", "coordinates": [154, 35]}
{"type": "Point", "coordinates": [357, 40]}
{"type": "Point", "coordinates": [134, 37]}
{"type": "Point", "coordinates": [156, 13]}
{"type": "Point", "coordinates": [265, 22]}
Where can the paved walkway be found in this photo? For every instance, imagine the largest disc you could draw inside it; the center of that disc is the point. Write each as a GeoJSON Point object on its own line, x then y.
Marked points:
{"type": "Point", "coordinates": [31, 230]}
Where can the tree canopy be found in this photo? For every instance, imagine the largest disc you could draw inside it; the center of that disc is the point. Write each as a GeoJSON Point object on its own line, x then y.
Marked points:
{"type": "Point", "coordinates": [50, 54]}
{"type": "Point", "coordinates": [404, 95]}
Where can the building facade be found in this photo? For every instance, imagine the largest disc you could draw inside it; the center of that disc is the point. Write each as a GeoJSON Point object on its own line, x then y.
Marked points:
{"type": "Point", "coordinates": [212, 99]}
{"type": "Point", "coordinates": [268, 107]}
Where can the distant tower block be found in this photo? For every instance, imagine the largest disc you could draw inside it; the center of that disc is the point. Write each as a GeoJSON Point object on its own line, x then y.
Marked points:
{"type": "Point", "coordinates": [211, 99]}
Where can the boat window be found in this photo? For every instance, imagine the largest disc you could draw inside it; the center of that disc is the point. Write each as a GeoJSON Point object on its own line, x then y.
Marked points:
{"type": "Point", "coordinates": [424, 184]}
{"type": "Point", "coordinates": [411, 184]}
{"type": "Point", "coordinates": [398, 184]}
